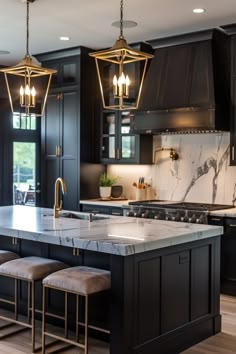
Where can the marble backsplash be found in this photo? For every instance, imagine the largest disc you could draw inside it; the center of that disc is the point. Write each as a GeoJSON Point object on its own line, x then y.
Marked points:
{"type": "Point", "coordinates": [201, 174]}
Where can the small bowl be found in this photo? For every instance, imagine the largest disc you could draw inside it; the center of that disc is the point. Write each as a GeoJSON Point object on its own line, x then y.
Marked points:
{"type": "Point", "coordinates": [116, 191]}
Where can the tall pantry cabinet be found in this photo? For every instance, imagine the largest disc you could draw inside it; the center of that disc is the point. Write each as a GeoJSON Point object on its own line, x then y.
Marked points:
{"type": "Point", "coordinates": [70, 125]}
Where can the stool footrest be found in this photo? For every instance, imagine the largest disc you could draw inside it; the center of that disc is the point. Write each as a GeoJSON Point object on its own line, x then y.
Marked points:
{"type": "Point", "coordinates": [96, 328]}
{"type": "Point", "coordinates": [11, 302]}
{"type": "Point", "coordinates": [55, 316]}
{"type": "Point", "coordinates": [6, 335]}
{"type": "Point", "coordinates": [66, 340]}
{"type": "Point", "coordinates": [16, 321]}
{"type": "Point", "coordinates": [58, 350]}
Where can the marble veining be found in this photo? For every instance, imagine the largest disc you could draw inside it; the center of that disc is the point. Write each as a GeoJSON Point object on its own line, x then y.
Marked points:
{"type": "Point", "coordinates": [115, 235]}
{"type": "Point", "coordinates": [201, 174]}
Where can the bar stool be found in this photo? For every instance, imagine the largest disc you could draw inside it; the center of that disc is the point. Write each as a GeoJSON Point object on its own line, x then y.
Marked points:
{"type": "Point", "coordinates": [81, 281]}
{"type": "Point", "coordinates": [30, 270]}
{"type": "Point", "coordinates": [6, 256]}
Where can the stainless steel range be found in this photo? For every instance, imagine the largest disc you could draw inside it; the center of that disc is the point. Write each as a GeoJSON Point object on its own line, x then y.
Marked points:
{"type": "Point", "coordinates": [173, 211]}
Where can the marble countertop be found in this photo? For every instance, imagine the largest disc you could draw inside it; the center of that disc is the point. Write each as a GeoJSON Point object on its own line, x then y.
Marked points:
{"type": "Point", "coordinates": [230, 213]}
{"type": "Point", "coordinates": [113, 235]}
{"type": "Point", "coordinates": [111, 203]}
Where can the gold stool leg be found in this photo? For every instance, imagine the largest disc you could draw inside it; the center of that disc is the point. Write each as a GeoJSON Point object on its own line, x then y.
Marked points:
{"type": "Point", "coordinates": [29, 301]}
{"type": "Point", "coordinates": [77, 317]}
{"type": "Point", "coordinates": [86, 326]}
{"type": "Point", "coordinates": [16, 299]}
{"type": "Point", "coordinates": [66, 314]}
{"type": "Point", "coordinates": [43, 319]}
{"type": "Point", "coordinates": [33, 315]}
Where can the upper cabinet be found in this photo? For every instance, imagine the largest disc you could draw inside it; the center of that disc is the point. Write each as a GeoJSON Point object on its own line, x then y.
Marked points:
{"type": "Point", "coordinates": [233, 102]}
{"type": "Point", "coordinates": [68, 70]}
{"type": "Point", "coordinates": [70, 126]}
{"type": "Point", "coordinates": [118, 144]}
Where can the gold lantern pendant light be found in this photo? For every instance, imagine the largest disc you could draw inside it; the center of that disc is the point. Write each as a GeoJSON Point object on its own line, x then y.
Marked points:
{"type": "Point", "coordinates": [27, 82]}
{"type": "Point", "coordinates": [120, 78]}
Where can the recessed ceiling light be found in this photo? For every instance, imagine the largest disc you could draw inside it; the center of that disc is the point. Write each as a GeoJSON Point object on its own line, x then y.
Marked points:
{"type": "Point", "coordinates": [4, 52]}
{"type": "Point", "coordinates": [64, 38]}
{"type": "Point", "coordinates": [126, 24]}
{"type": "Point", "coordinates": [199, 11]}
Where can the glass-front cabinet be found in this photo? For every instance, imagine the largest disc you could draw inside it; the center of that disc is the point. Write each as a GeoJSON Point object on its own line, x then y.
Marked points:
{"type": "Point", "coordinates": [118, 144]}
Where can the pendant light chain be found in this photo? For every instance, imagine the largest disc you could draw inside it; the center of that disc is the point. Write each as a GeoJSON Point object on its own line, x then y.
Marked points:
{"type": "Point", "coordinates": [27, 29]}
{"type": "Point", "coordinates": [121, 20]}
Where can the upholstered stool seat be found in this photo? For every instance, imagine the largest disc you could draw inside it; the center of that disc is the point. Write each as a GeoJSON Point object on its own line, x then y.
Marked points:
{"type": "Point", "coordinates": [29, 269]}
{"type": "Point", "coordinates": [81, 281]}
{"type": "Point", "coordinates": [6, 256]}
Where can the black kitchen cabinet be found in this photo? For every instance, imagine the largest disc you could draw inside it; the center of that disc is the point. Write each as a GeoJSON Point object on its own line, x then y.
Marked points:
{"type": "Point", "coordinates": [70, 126]}
{"type": "Point", "coordinates": [233, 100]}
{"type": "Point", "coordinates": [228, 249]}
{"type": "Point", "coordinates": [67, 70]}
{"type": "Point", "coordinates": [61, 146]}
{"type": "Point", "coordinates": [228, 262]}
{"type": "Point", "coordinates": [119, 145]}
{"type": "Point", "coordinates": [233, 105]}
{"type": "Point", "coordinates": [101, 209]}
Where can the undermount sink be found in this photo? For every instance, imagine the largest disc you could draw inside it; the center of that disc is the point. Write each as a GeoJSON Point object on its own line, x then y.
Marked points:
{"type": "Point", "coordinates": [82, 216]}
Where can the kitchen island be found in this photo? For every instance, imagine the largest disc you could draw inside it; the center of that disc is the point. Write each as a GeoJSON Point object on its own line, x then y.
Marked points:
{"type": "Point", "coordinates": [165, 275]}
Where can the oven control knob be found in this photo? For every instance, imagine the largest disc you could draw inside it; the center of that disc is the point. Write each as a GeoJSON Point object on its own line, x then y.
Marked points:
{"type": "Point", "coordinates": [157, 216]}
{"type": "Point", "coordinates": [130, 213]}
{"type": "Point", "coordinates": [177, 217]}
{"type": "Point", "coordinates": [137, 214]}
{"type": "Point", "coordinates": [203, 219]}
{"type": "Point", "coordinates": [197, 221]}
{"type": "Point", "coordinates": [185, 218]}
{"type": "Point", "coordinates": [145, 214]}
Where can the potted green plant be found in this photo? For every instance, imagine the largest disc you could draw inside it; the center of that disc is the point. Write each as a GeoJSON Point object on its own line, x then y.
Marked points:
{"type": "Point", "coordinates": [105, 183]}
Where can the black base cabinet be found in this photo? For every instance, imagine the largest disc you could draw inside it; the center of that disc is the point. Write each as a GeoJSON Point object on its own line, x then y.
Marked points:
{"type": "Point", "coordinates": [228, 249]}
{"type": "Point", "coordinates": [161, 301]}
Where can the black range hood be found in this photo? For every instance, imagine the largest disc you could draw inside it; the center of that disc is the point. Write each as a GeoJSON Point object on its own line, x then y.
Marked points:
{"type": "Point", "coordinates": [187, 86]}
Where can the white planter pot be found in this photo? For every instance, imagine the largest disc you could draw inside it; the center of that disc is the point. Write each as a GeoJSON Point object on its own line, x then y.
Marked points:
{"type": "Point", "coordinates": [105, 192]}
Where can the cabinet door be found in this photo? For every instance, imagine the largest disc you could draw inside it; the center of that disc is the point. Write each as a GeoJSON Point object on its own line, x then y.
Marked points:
{"type": "Point", "coordinates": [51, 170]}
{"type": "Point", "coordinates": [127, 141]}
{"type": "Point", "coordinates": [234, 55]}
{"type": "Point", "coordinates": [67, 71]}
{"type": "Point", "coordinates": [233, 123]}
{"type": "Point", "coordinates": [119, 145]}
{"type": "Point", "coordinates": [233, 104]}
{"type": "Point", "coordinates": [69, 172]}
{"type": "Point", "coordinates": [69, 125]}
{"type": "Point", "coordinates": [175, 280]}
{"type": "Point", "coordinates": [109, 135]}
{"type": "Point", "coordinates": [52, 125]}
{"type": "Point", "coordinates": [69, 149]}
{"type": "Point", "coordinates": [228, 249]}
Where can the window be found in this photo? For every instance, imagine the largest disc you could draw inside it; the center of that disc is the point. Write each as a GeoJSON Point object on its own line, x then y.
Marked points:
{"type": "Point", "coordinates": [23, 121]}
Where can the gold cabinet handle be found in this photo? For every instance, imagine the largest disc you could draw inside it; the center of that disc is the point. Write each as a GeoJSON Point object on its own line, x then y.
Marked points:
{"type": "Point", "coordinates": [233, 152]}
{"type": "Point", "coordinates": [215, 219]}
{"type": "Point", "coordinates": [76, 251]}
{"type": "Point", "coordinates": [232, 225]}
{"type": "Point", "coordinates": [118, 154]}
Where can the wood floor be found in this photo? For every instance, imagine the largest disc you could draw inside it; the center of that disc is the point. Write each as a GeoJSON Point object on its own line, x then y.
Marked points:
{"type": "Point", "coordinates": [222, 343]}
